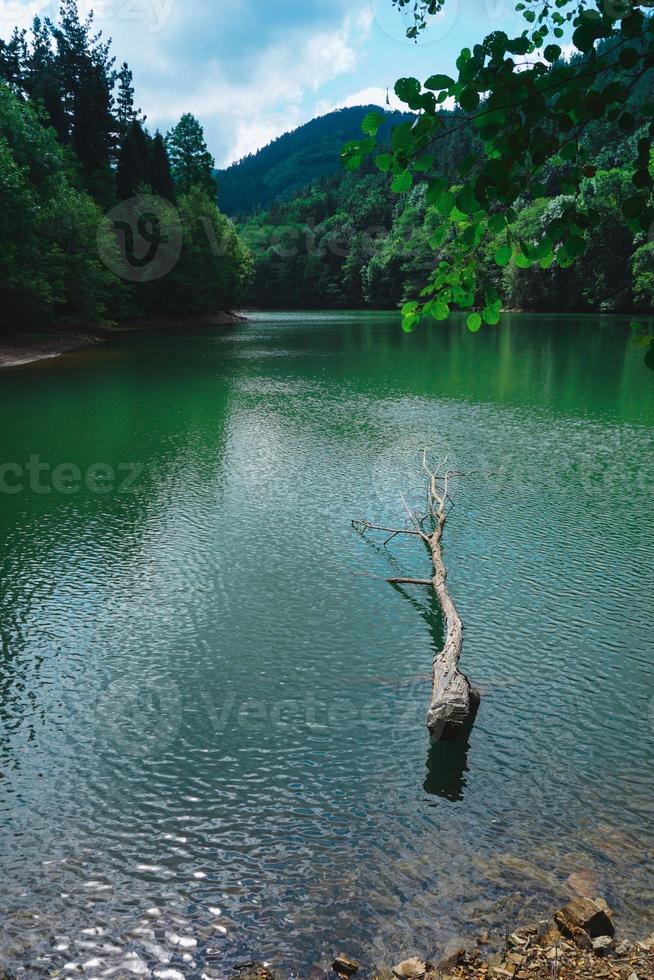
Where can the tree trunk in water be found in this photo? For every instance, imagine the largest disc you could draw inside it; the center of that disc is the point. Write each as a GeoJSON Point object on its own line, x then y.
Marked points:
{"type": "Point", "coordinates": [453, 700]}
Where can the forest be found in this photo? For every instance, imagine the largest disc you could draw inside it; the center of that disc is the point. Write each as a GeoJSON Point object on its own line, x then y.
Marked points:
{"type": "Point", "coordinates": [302, 231]}
{"type": "Point", "coordinates": [349, 240]}
{"type": "Point", "coordinates": [73, 146]}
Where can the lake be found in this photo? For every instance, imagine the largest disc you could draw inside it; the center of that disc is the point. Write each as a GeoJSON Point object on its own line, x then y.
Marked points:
{"type": "Point", "coordinates": [213, 743]}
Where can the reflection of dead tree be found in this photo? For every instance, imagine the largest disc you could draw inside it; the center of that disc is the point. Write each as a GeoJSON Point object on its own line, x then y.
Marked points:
{"type": "Point", "coordinates": [453, 699]}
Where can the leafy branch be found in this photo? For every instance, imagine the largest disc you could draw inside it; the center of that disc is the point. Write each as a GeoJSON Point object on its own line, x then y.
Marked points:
{"type": "Point", "coordinates": [527, 117]}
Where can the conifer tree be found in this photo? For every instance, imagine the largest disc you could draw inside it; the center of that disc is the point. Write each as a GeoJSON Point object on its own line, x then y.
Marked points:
{"type": "Point", "coordinates": [13, 54]}
{"type": "Point", "coordinates": [87, 80]}
{"type": "Point", "coordinates": [42, 77]}
{"type": "Point", "coordinates": [191, 163]}
{"type": "Point", "coordinates": [161, 179]}
{"type": "Point", "coordinates": [125, 111]}
{"type": "Point", "coordinates": [133, 170]}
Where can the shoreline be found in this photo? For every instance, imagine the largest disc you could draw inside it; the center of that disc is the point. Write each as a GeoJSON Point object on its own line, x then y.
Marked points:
{"type": "Point", "coordinates": [19, 349]}
{"type": "Point", "coordinates": [578, 941]}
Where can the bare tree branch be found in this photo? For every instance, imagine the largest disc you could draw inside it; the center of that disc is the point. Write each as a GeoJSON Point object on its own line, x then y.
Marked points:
{"type": "Point", "coordinates": [453, 699]}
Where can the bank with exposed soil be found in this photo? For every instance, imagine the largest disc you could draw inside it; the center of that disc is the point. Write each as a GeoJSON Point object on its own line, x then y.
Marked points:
{"type": "Point", "coordinates": [19, 348]}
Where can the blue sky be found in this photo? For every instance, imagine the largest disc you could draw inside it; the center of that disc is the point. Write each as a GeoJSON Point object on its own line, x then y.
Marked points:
{"type": "Point", "coordinates": [253, 69]}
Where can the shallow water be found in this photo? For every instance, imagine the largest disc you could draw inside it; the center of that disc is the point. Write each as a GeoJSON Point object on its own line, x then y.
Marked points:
{"type": "Point", "coordinates": [213, 707]}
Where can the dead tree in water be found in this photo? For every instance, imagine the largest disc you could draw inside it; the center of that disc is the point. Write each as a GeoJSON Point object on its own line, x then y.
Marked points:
{"type": "Point", "coordinates": [453, 699]}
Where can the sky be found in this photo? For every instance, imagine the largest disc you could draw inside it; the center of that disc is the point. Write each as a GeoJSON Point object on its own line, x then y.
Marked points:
{"type": "Point", "coordinates": [251, 70]}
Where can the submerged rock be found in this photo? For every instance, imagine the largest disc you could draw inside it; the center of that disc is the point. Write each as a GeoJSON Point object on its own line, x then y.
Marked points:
{"type": "Point", "coordinates": [252, 971]}
{"type": "Point", "coordinates": [585, 884]}
{"type": "Point", "coordinates": [411, 969]}
{"type": "Point", "coordinates": [457, 951]}
{"type": "Point", "coordinates": [344, 966]}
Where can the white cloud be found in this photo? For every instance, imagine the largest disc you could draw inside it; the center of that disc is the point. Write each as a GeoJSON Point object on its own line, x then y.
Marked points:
{"type": "Point", "coordinates": [269, 101]}
{"type": "Point", "coordinates": [374, 95]}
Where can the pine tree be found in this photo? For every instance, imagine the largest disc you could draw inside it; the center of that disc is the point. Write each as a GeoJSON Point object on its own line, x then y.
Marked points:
{"type": "Point", "coordinates": [87, 77]}
{"type": "Point", "coordinates": [43, 81]}
{"type": "Point", "coordinates": [13, 56]}
{"type": "Point", "coordinates": [191, 163]}
{"type": "Point", "coordinates": [125, 111]}
{"type": "Point", "coordinates": [133, 170]}
{"type": "Point", "coordinates": [161, 179]}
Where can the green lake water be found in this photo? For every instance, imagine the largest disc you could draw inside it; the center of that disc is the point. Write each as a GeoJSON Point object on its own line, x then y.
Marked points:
{"type": "Point", "coordinates": [212, 707]}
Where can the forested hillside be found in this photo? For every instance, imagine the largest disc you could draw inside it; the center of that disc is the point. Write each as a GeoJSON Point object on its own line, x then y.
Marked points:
{"type": "Point", "coordinates": [292, 161]}
{"type": "Point", "coordinates": [102, 220]}
{"type": "Point", "coordinates": [350, 240]}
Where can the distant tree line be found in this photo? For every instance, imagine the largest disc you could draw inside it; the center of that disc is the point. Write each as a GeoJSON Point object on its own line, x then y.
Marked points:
{"type": "Point", "coordinates": [364, 238]}
{"type": "Point", "coordinates": [293, 161]}
{"type": "Point", "coordinates": [73, 145]}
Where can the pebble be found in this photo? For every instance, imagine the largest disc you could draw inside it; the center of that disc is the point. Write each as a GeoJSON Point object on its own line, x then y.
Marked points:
{"type": "Point", "coordinates": [410, 969]}
{"type": "Point", "coordinates": [343, 965]}
{"type": "Point", "coordinates": [169, 975]}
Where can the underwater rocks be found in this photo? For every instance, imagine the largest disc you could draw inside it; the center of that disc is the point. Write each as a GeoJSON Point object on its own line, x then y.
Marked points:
{"type": "Point", "coordinates": [344, 966]}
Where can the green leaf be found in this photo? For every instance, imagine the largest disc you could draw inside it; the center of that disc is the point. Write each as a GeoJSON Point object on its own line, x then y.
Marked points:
{"type": "Point", "coordinates": [408, 90]}
{"type": "Point", "coordinates": [402, 182]}
{"type": "Point", "coordinates": [503, 255]}
{"type": "Point", "coordinates": [574, 245]}
{"type": "Point", "coordinates": [423, 164]}
{"type": "Point", "coordinates": [496, 224]}
{"type": "Point", "coordinates": [469, 99]}
{"type": "Point", "coordinates": [474, 322]}
{"type": "Point", "coordinates": [492, 317]}
{"type": "Point", "coordinates": [439, 82]}
{"type": "Point", "coordinates": [467, 201]}
{"type": "Point", "coordinates": [552, 53]}
{"type": "Point", "coordinates": [440, 310]}
{"type": "Point", "coordinates": [409, 308]}
{"type": "Point", "coordinates": [383, 162]}
{"type": "Point", "coordinates": [371, 122]}
{"type": "Point", "coordinates": [409, 322]}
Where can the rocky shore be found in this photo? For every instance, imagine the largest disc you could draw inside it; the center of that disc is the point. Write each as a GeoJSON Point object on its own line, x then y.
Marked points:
{"type": "Point", "coordinates": [579, 941]}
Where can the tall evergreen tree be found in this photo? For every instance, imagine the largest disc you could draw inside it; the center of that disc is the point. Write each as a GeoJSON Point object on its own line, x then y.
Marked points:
{"type": "Point", "coordinates": [133, 161]}
{"type": "Point", "coordinates": [87, 79]}
{"type": "Point", "coordinates": [125, 111]}
{"type": "Point", "coordinates": [43, 81]}
{"type": "Point", "coordinates": [13, 55]}
{"type": "Point", "coordinates": [161, 179]}
{"type": "Point", "coordinates": [191, 163]}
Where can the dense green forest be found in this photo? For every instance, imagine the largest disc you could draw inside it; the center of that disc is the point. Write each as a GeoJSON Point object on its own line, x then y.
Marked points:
{"type": "Point", "coordinates": [73, 146]}
{"type": "Point", "coordinates": [349, 240]}
{"type": "Point", "coordinates": [293, 161]}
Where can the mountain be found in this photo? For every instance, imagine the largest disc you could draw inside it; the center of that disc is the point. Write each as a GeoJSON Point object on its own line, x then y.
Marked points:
{"type": "Point", "coordinates": [293, 161]}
